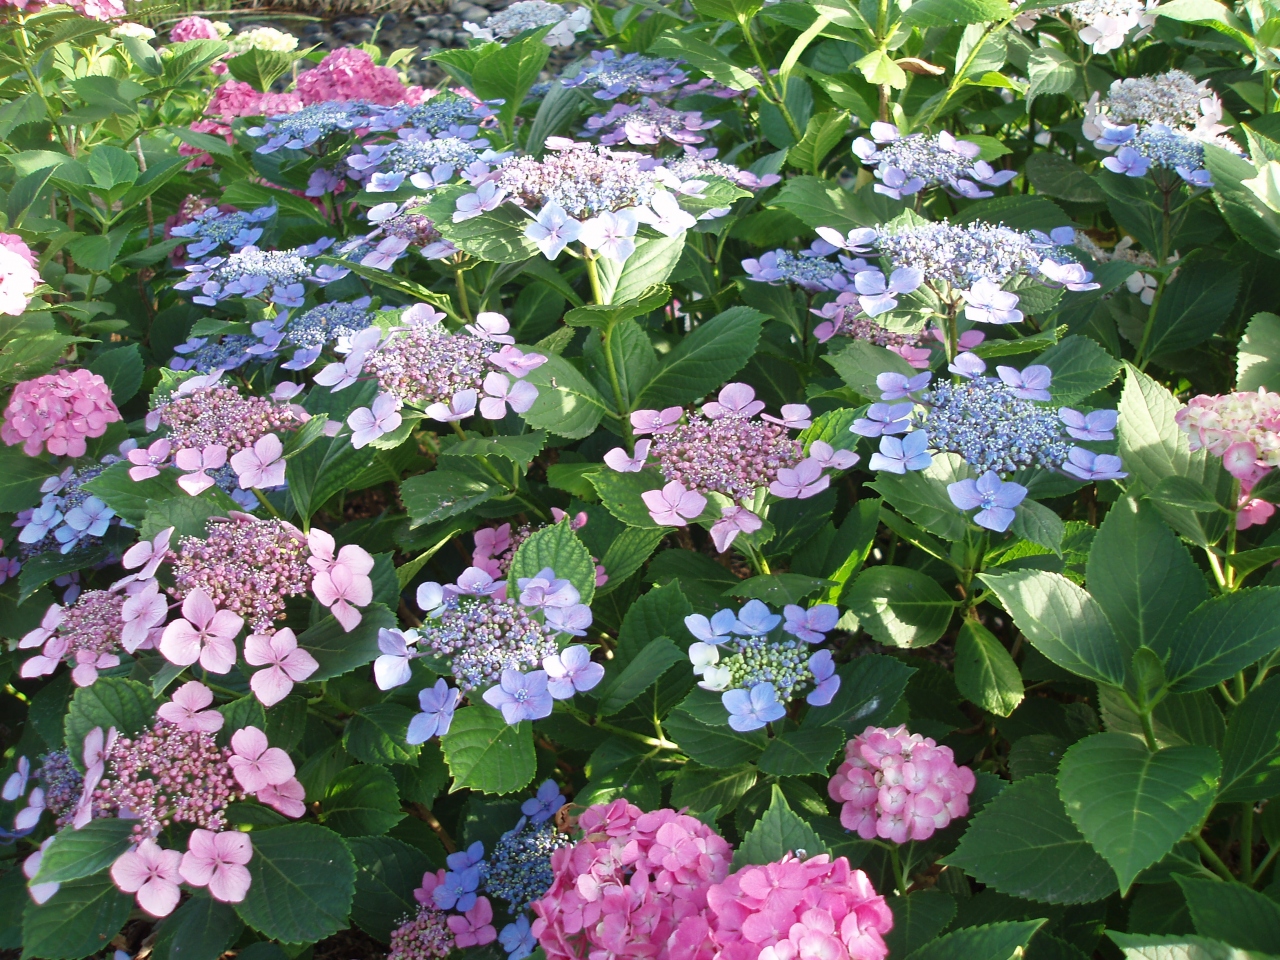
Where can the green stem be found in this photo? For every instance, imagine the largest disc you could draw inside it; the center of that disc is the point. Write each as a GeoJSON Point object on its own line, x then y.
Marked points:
{"type": "Point", "coordinates": [962, 70]}
{"type": "Point", "coordinates": [1206, 851]}
{"type": "Point", "coordinates": [262, 499]}
{"type": "Point", "coordinates": [611, 365]}
{"type": "Point", "coordinates": [1246, 843]}
{"type": "Point", "coordinates": [593, 274]}
{"type": "Point", "coordinates": [464, 305]}
{"type": "Point", "coordinates": [1230, 571]}
{"type": "Point", "coordinates": [1266, 862]}
{"type": "Point", "coordinates": [899, 876]}
{"type": "Point", "coordinates": [1148, 730]}
{"type": "Point", "coordinates": [769, 88]}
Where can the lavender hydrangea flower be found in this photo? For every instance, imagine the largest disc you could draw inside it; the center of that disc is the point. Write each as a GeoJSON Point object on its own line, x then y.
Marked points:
{"type": "Point", "coordinates": [612, 76]}
{"type": "Point", "coordinates": [907, 165]}
{"type": "Point", "coordinates": [993, 498]}
{"type": "Point", "coordinates": [521, 696]}
{"type": "Point", "coordinates": [898, 455]}
{"type": "Point", "coordinates": [571, 670]}
{"type": "Point", "coordinates": [438, 704]}
{"type": "Point", "coordinates": [214, 227]}
{"type": "Point", "coordinates": [751, 710]}
{"type": "Point", "coordinates": [544, 806]}
{"type": "Point", "coordinates": [648, 123]}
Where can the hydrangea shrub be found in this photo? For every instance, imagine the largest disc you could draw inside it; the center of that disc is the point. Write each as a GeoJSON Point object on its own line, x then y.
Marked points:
{"type": "Point", "coordinates": [793, 483]}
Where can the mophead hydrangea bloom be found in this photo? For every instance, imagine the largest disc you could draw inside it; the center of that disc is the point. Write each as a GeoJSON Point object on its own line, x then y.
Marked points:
{"type": "Point", "coordinates": [349, 73]}
{"type": "Point", "coordinates": [58, 413]}
{"type": "Point", "coordinates": [899, 786]}
{"type": "Point", "coordinates": [1244, 430]}
{"type": "Point", "coordinates": [18, 274]}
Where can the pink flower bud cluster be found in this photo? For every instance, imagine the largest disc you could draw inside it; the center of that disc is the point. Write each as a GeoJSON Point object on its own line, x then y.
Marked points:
{"type": "Point", "coordinates": [795, 909]}
{"type": "Point", "coordinates": [350, 74]}
{"type": "Point", "coordinates": [86, 636]}
{"type": "Point", "coordinates": [635, 885]}
{"type": "Point", "coordinates": [472, 927]}
{"type": "Point", "coordinates": [245, 565]}
{"type": "Point", "coordinates": [219, 416]}
{"type": "Point", "coordinates": [18, 274]}
{"type": "Point", "coordinates": [58, 412]}
{"type": "Point", "coordinates": [899, 786]}
{"type": "Point", "coordinates": [168, 775]}
{"type": "Point", "coordinates": [425, 936]}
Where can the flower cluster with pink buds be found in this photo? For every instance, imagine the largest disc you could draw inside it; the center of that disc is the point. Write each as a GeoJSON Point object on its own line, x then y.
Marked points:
{"type": "Point", "coordinates": [1244, 430]}
{"type": "Point", "coordinates": [445, 376]}
{"type": "Point", "coordinates": [725, 453]}
{"type": "Point", "coordinates": [899, 786]}
{"type": "Point", "coordinates": [795, 909]}
{"type": "Point", "coordinates": [87, 636]}
{"type": "Point", "coordinates": [634, 878]}
{"type": "Point", "coordinates": [58, 412]}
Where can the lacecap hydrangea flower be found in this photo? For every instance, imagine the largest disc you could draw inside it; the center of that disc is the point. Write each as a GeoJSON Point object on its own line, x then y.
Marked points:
{"type": "Point", "coordinates": [899, 786]}
{"type": "Point", "coordinates": [759, 661]}
{"type": "Point", "coordinates": [726, 452]}
{"type": "Point", "coordinates": [525, 15]}
{"type": "Point", "coordinates": [997, 425]}
{"type": "Point", "coordinates": [907, 165]}
{"type": "Point", "coordinates": [609, 76]}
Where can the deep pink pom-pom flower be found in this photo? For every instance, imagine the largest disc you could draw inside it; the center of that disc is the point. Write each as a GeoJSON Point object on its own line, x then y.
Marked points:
{"type": "Point", "coordinates": [795, 909]}
{"type": "Point", "coordinates": [58, 412]}
{"type": "Point", "coordinates": [351, 74]}
{"type": "Point", "coordinates": [634, 879]}
{"type": "Point", "coordinates": [899, 786]}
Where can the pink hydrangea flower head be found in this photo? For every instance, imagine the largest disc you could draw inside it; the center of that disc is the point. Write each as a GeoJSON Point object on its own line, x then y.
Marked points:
{"type": "Point", "coordinates": [58, 412]}
{"type": "Point", "coordinates": [795, 908]}
{"type": "Point", "coordinates": [899, 786]}
{"type": "Point", "coordinates": [194, 28]}
{"type": "Point", "coordinates": [633, 878]}
{"type": "Point", "coordinates": [475, 927]}
{"type": "Point", "coordinates": [349, 73]}
{"type": "Point", "coordinates": [18, 275]}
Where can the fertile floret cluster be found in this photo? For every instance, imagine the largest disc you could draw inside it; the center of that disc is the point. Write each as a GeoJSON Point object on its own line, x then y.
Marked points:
{"type": "Point", "coordinates": [1173, 98]}
{"type": "Point", "coordinates": [62, 784]}
{"type": "Point", "coordinates": [328, 322]}
{"type": "Point", "coordinates": [245, 565]}
{"type": "Point", "coordinates": [648, 123]}
{"type": "Point", "coordinates": [87, 636]}
{"type": "Point", "coordinates": [425, 936]}
{"type": "Point", "coordinates": [899, 786]}
{"type": "Point", "coordinates": [417, 156]}
{"type": "Point", "coordinates": [531, 15]}
{"type": "Point", "coordinates": [220, 415]}
{"type": "Point", "coordinates": [518, 870]}
{"type": "Point", "coordinates": [907, 165]}
{"type": "Point", "coordinates": [960, 254]}
{"type": "Point", "coordinates": [611, 76]}
{"type": "Point", "coordinates": [211, 228]}
{"type": "Point", "coordinates": [582, 179]}
{"type": "Point", "coordinates": [276, 275]}
{"type": "Point", "coordinates": [69, 516]}
{"type": "Point", "coordinates": [58, 413]}
{"type": "Point", "coordinates": [304, 128]}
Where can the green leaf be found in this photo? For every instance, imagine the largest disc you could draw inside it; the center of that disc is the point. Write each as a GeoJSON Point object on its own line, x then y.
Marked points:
{"type": "Point", "coordinates": [302, 882]}
{"type": "Point", "coordinates": [1038, 524]}
{"type": "Point", "coordinates": [1132, 804]}
{"type": "Point", "coordinates": [900, 607]}
{"type": "Point", "coordinates": [823, 132]}
{"type": "Point", "coordinates": [387, 873]}
{"type": "Point", "coordinates": [719, 747]}
{"type": "Point", "coordinates": [376, 734]}
{"type": "Point", "coordinates": [1050, 71]}
{"type": "Point", "coordinates": [1054, 175]}
{"type": "Point", "coordinates": [76, 921]}
{"type": "Point", "coordinates": [261, 68]}
{"type": "Point", "coordinates": [1141, 575]}
{"type": "Point", "coordinates": [1062, 621]}
{"type": "Point", "coordinates": [776, 834]}
{"type": "Point", "coordinates": [1193, 307]}
{"type": "Point", "coordinates": [921, 495]}
{"type": "Point", "coordinates": [1173, 946]}
{"type": "Point", "coordinates": [621, 494]}
{"type": "Point", "coordinates": [558, 547]}
{"type": "Point", "coordinates": [644, 650]}
{"type": "Point", "coordinates": [496, 236]}
{"type": "Point", "coordinates": [507, 73]}
{"type": "Point", "coordinates": [880, 68]}
{"type": "Point", "coordinates": [985, 673]}
{"type": "Point", "coordinates": [362, 801]}
{"type": "Point", "coordinates": [778, 589]}
{"type": "Point", "coordinates": [1233, 914]}
{"type": "Point", "coordinates": [638, 675]}
{"type": "Point", "coordinates": [1023, 844]}
{"type": "Point", "coordinates": [339, 652]}
{"type": "Point", "coordinates": [995, 941]}
{"type": "Point", "coordinates": [20, 479]}
{"type": "Point", "coordinates": [946, 13]}
{"type": "Point", "coordinates": [1251, 749]}
{"type": "Point", "coordinates": [1080, 367]}
{"type": "Point", "coordinates": [651, 264]}
{"type": "Point", "coordinates": [84, 852]}
{"type": "Point", "coordinates": [704, 57]}
{"type": "Point", "coordinates": [918, 917]}
{"type": "Point", "coordinates": [703, 789]}
{"type": "Point", "coordinates": [627, 553]}
{"type": "Point", "coordinates": [567, 405]}
{"type": "Point", "coordinates": [440, 494]}
{"type": "Point", "coordinates": [111, 167]}
{"type": "Point", "coordinates": [870, 687]}
{"type": "Point", "coordinates": [799, 753]}
{"type": "Point", "coordinates": [708, 356]}
{"type": "Point", "coordinates": [1258, 359]}
{"type": "Point", "coordinates": [201, 929]}
{"type": "Point", "coordinates": [110, 702]}
{"type": "Point", "coordinates": [485, 754]}
{"type": "Point", "coordinates": [818, 202]}
{"type": "Point", "coordinates": [122, 368]}
{"type": "Point", "coordinates": [1220, 637]}
{"type": "Point", "coordinates": [187, 515]}
{"type": "Point", "coordinates": [860, 362]}
{"type": "Point", "coordinates": [1185, 493]}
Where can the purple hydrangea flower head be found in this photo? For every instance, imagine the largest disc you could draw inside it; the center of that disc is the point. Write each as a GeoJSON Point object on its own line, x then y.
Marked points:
{"type": "Point", "coordinates": [716, 630]}
{"type": "Point", "coordinates": [898, 455]}
{"type": "Point", "coordinates": [1087, 465]}
{"type": "Point", "coordinates": [755, 619]}
{"type": "Point", "coordinates": [438, 704]}
{"type": "Point", "coordinates": [1095, 425]}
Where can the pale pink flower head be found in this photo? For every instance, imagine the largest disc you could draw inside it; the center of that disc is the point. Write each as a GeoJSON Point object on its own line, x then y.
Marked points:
{"type": "Point", "coordinates": [286, 664]}
{"type": "Point", "coordinates": [188, 709]}
{"type": "Point", "coordinates": [217, 861]}
{"type": "Point", "coordinates": [58, 412]}
{"type": "Point", "coordinates": [255, 763]}
{"type": "Point", "coordinates": [261, 465]}
{"type": "Point", "coordinates": [150, 873]}
{"type": "Point", "coordinates": [202, 633]}
{"type": "Point", "coordinates": [193, 28]}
